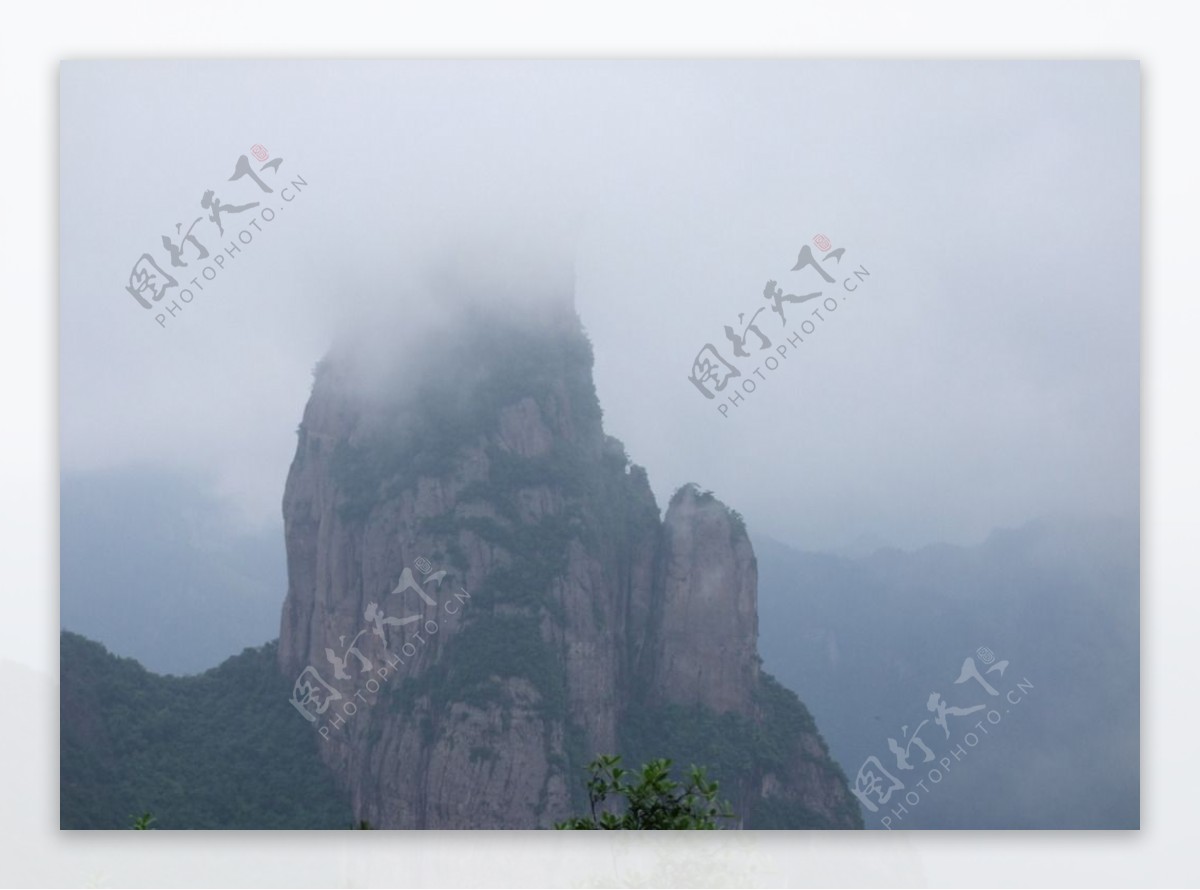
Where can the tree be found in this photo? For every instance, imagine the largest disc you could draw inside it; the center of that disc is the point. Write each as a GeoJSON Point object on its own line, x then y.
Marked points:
{"type": "Point", "coordinates": [653, 802]}
{"type": "Point", "coordinates": [142, 822]}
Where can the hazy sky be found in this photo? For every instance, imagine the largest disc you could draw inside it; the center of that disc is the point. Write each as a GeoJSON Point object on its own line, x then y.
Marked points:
{"type": "Point", "coordinates": [985, 373]}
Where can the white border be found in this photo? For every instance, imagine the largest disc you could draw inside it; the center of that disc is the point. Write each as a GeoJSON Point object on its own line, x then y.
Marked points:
{"type": "Point", "coordinates": [35, 37]}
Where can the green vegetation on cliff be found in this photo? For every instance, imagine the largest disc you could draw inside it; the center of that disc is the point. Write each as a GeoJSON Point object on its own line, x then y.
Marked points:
{"type": "Point", "coordinates": [739, 752]}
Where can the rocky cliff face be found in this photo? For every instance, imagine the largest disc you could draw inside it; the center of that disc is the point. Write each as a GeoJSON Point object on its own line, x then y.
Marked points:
{"type": "Point", "coordinates": [482, 597]}
{"type": "Point", "coordinates": [706, 628]}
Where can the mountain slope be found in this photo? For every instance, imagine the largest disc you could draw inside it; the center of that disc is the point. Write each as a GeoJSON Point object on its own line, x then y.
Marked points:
{"type": "Point", "coordinates": [218, 750]}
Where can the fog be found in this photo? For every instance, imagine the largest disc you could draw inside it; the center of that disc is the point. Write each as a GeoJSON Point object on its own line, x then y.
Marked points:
{"type": "Point", "coordinates": [984, 373]}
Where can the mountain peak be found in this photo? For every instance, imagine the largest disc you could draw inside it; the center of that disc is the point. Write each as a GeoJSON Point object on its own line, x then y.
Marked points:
{"type": "Point", "coordinates": [460, 514]}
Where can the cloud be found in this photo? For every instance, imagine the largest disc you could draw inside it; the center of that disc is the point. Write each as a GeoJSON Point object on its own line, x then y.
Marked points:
{"type": "Point", "coordinates": [985, 373]}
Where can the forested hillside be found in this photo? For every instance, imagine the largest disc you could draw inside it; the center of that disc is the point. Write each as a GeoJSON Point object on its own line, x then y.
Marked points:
{"type": "Point", "coordinates": [223, 749]}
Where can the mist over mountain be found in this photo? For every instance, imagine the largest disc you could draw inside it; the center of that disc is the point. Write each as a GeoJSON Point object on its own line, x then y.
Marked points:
{"type": "Point", "coordinates": [478, 545]}
{"type": "Point", "coordinates": [865, 640]}
{"type": "Point", "coordinates": [156, 568]}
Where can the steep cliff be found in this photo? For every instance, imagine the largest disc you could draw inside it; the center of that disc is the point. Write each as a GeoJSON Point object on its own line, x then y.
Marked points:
{"type": "Point", "coordinates": [482, 596]}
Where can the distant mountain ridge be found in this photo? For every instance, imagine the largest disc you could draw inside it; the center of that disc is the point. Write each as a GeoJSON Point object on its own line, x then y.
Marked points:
{"type": "Point", "coordinates": [865, 640]}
